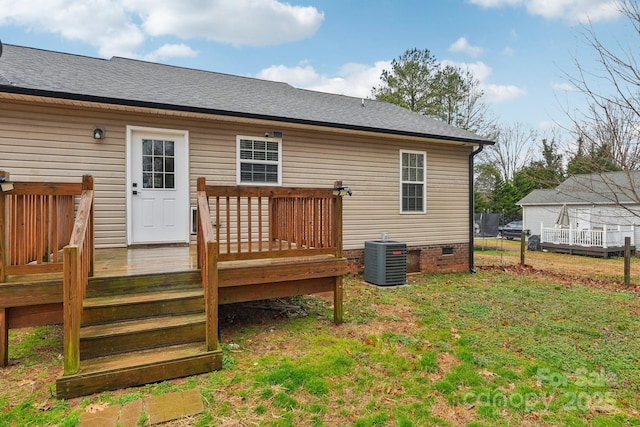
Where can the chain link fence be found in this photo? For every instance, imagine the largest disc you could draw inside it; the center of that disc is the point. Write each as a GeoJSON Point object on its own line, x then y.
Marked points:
{"type": "Point", "coordinates": [497, 252]}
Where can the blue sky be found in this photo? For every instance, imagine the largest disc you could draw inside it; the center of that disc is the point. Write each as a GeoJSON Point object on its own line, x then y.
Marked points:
{"type": "Point", "coordinates": [520, 50]}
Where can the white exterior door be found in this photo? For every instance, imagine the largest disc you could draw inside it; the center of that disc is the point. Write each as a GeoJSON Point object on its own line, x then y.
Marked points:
{"type": "Point", "coordinates": [158, 186]}
{"type": "Point", "coordinates": [583, 219]}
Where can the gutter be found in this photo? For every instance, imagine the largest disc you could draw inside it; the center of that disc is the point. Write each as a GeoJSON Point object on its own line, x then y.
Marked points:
{"type": "Point", "coordinates": [472, 267]}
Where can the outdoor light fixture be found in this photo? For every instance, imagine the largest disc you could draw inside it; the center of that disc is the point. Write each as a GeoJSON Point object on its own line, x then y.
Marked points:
{"type": "Point", "coordinates": [5, 185]}
{"type": "Point", "coordinates": [98, 133]}
{"type": "Point", "coordinates": [342, 190]}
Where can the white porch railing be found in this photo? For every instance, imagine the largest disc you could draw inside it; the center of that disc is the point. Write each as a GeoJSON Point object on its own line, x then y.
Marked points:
{"type": "Point", "coordinates": [605, 237]}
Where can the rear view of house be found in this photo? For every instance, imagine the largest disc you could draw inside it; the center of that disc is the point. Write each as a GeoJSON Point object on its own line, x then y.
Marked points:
{"type": "Point", "coordinates": [148, 195]}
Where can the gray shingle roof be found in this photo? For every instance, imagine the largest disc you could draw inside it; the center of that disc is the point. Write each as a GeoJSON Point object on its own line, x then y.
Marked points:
{"type": "Point", "coordinates": [133, 82]}
{"type": "Point", "coordinates": [605, 188]}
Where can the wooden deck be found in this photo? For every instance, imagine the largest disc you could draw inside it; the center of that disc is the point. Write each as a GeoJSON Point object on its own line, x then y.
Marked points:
{"type": "Point", "coordinates": [593, 251]}
{"type": "Point", "coordinates": [147, 314]}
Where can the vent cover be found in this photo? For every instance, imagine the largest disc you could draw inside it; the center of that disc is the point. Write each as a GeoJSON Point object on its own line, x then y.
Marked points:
{"type": "Point", "coordinates": [385, 262]}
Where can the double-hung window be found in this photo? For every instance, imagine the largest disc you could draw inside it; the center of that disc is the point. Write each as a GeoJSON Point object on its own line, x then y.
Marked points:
{"type": "Point", "coordinates": [413, 181]}
{"type": "Point", "coordinates": [259, 161]}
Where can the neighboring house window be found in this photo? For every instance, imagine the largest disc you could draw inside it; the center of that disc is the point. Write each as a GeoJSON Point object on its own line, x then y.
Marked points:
{"type": "Point", "coordinates": [259, 160]}
{"type": "Point", "coordinates": [413, 181]}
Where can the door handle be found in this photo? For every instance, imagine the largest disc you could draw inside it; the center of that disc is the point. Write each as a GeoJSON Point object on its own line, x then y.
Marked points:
{"type": "Point", "coordinates": [134, 192]}
{"type": "Point", "coordinates": [135, 186]}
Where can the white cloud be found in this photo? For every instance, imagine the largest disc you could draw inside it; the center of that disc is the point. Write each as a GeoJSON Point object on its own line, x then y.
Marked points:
{"type": "Point", "coordinates": [508, 51]}
{"type": "Point", "coordinates": [568, 10]}
{"type": "Point", "coordinates": [358, 79]}
{"type": "Point", "coordinates": [121, 27]}
{"type": "Point", "coordinates": [496, 94]}
{"type": "Point", "coordinates": [167, 51]}
{"type": "Point", "coordinates": [563, 87]}
{"type": "Point", "coordinates": [352, 79]}
{"type": "Point", "coordinates": [493, 93]}
{"type": "Point", "coordinates": [100, 23]}
{"type": "Point", "coordinates": [238, 22]}
{"type": "Point", "coordinates": [462, 45]}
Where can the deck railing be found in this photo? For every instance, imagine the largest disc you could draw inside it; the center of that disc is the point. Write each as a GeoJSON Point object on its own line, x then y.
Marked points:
{"type": "Point", "coordinates": [604, 237]}
{"type": "Point", "coordinates": [78, 261]}
{"type": "Point", "coordinates": [36, 220]}
{"type": "Point", "coordinates": [253, 222]}
{"type": "Point", "coordinates": [208, 264]}
{"type": "Point", "coordinates": [250, 222]}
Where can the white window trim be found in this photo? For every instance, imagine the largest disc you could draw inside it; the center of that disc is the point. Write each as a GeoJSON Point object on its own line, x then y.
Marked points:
{"type": "Point", "coordinates": [424, 183]}
{"type": "Point", "coordinates": [238, 161]}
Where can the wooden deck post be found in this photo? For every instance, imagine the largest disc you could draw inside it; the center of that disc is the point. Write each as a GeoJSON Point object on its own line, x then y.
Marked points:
{"type": "Point", "coordinates": [72, 309]}
{"type": "Point", "coordinates": [4, 256]}
{"type": "Point", "coordinates": [4, 337]}
{"type": "Point", "coordinates": [211, 296]}
{"type": "Point", "coordinates": [87, 184]}
{"type": "Point", "coordinates": [201, 186]}
{"type": "Point", "coordinates": [338, 310]}
{"type": "Point", "coordinates": [627, 261]}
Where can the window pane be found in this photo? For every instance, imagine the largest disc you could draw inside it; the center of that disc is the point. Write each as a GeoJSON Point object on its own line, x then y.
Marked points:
{"type": "Point", "coordinates": [169, 181]}
{"type": "Point", "coordinates": [147, 147]}
{"type": "Point", "coordinates": [158, 180]}
{"type": "Point", "coordinates": [158, 148]}
{"type": "Point", "coordinates": [168, 164]}
{"type": "Point", "coordinates": [147, 163]}
{"type": "Point", "coordinates": [412, 200]}
{"type": "Point", "coordinates": [168, 148]}
{"type": "Point", "coordinates": [147, 181]}
{"type": "Point", "coordinates": [158, 164]}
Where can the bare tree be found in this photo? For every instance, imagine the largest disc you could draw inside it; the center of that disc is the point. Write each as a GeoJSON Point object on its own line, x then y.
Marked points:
{"type": "Point", "coordinates": [608, 132]}
{"type": "Point", "coordinates": [513, 149]}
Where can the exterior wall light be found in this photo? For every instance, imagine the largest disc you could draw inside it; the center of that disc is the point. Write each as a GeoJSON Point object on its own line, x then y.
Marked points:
{"type": "Point", "coordinates": [98, 133]}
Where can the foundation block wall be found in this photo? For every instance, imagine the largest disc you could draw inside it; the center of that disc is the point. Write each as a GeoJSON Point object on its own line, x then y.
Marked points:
{"type": "Point", "coordinates": [448, 258]}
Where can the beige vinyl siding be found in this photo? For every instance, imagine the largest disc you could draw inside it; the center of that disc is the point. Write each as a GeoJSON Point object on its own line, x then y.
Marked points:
{"type": "Point", "coordinates": [41, 142]}
{"type": "Point", "coordinates": [370, 167]}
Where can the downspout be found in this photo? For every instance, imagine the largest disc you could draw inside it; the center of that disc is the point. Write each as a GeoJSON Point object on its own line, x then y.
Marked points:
{"type": "Point", "coordinates": [472, 267]}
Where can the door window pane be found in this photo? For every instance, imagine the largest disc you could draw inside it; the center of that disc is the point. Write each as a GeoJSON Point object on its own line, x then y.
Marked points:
{"type": "Point", "coordinates": [158, 164]}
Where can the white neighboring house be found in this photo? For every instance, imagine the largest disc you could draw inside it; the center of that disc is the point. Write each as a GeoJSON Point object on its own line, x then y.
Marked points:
{"type": "Point", "coordinates": [602, 209]}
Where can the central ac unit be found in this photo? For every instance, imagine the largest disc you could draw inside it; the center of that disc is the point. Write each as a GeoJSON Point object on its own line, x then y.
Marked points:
{"type": "Point", "coordinates": [385, 262]}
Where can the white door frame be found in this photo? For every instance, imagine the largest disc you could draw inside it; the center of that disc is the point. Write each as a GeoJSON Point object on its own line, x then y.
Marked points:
{"type": "Point", "coordinates": [129, 174]}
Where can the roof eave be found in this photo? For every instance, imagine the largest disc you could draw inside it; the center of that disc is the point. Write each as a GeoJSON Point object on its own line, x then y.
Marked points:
{"type": "Point", "coordinates": [184, 108]}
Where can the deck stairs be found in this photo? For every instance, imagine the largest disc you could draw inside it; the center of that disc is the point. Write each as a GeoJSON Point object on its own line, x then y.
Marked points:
{"type": "Point", "coordinates": [140, 329]}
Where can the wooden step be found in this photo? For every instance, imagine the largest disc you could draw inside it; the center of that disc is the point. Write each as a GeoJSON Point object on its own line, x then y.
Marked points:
{"type": "Point", "coordinates": [142, 367]}
{"type": "Point", "coordinates": [160, 282]}
{"type": "Point", "coordinates": [133, 306]}
{"type": "Point", "coordinates": [137, 334]}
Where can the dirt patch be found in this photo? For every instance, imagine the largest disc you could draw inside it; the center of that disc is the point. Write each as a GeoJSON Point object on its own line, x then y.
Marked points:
{"type": "Point", "coordinates": [446, 361]}
{"type": "Point", "coordinates": [460, 415]}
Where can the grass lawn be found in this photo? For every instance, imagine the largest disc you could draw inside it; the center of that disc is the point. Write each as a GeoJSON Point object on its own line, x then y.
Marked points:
{"type": "Point", "coordinates": [490, 349]}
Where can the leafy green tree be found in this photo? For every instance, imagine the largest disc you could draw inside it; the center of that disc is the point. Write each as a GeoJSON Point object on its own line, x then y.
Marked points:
{"type": "Point", "coordinates": [546, 172]}
{"type": "Point", "coordinates": [418, 82]}
{"type": "Point", "coordinates": [598, 158]}
{"type": "Point", "coordinates": [409, 81]}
